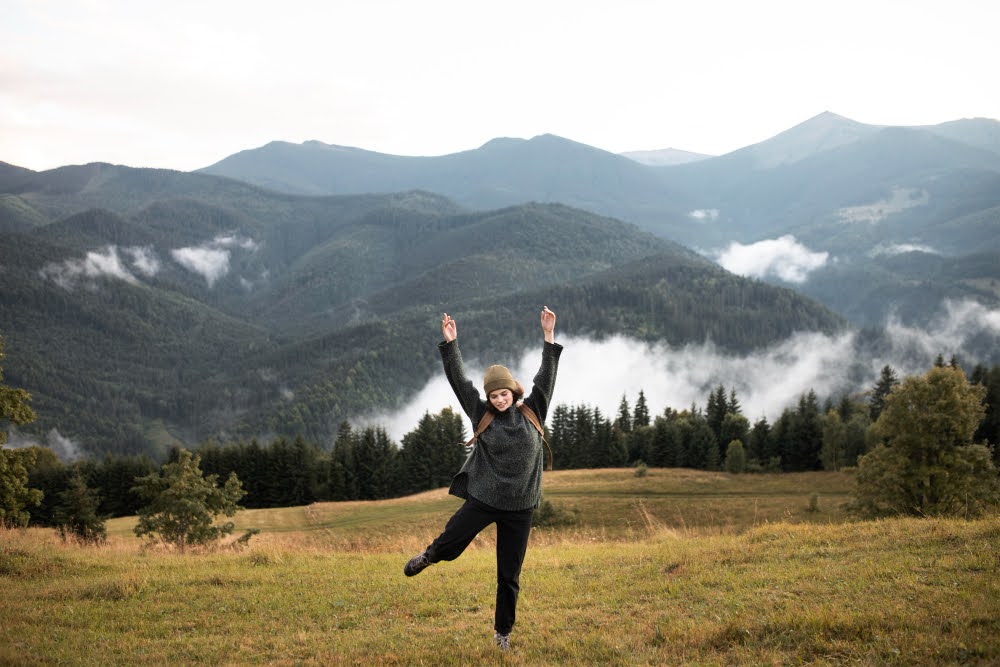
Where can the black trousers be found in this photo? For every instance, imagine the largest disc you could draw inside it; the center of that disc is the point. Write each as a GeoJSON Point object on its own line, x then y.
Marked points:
{"type": "Point", "coordinates": [513, 529]}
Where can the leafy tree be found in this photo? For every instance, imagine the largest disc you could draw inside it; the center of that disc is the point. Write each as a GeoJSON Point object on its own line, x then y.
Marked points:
{"type": "Point", "coordinates": [76, 514]}
{"type": "Point", "coordinates": [834, 451]}
{"type": "Point", "coordinates": [928, 464]}
{"type": "Point", "coordinates": [13, 403]}
{"type": "Point", "coordinates": [184, 503]}
{"type": "Point", "coordinates": [15, 495]}
{"type": "Point", "coordinates": [736, 458]}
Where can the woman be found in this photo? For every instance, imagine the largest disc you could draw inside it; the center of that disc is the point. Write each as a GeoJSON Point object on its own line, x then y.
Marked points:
{"type": "Point", "coordinates": [501, 480]}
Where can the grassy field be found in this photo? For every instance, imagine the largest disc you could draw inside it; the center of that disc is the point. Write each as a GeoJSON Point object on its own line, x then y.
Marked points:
{"type": "Point", "coordinates": [678, 567]}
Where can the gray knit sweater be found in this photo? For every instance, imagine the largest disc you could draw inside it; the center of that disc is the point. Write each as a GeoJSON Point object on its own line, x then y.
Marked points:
{"type": "Point", "coordinates": [504, 469]}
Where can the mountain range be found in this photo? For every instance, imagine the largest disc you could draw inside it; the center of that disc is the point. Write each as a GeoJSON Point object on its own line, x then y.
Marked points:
{"type": "Point", "coordinates": [291, 287]}
{"type": "Point", "coordinates": [859, 193]}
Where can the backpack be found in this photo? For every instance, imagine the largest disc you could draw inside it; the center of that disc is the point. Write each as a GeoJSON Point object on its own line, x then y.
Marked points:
{"type": "Point", "coordinates": [528, 413]}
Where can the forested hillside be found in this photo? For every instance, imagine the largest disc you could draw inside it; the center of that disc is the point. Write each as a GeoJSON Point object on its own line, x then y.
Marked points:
{"type": "Point", "coordinates": [147, 308]}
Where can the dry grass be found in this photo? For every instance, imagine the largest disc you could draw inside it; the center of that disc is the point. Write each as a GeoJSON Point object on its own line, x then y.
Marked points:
{"type": "Point", "coordinates": [323, 585]}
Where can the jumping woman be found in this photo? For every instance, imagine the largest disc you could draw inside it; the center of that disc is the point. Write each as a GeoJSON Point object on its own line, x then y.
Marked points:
{"type": "Point", "coordinates": [501, 480]}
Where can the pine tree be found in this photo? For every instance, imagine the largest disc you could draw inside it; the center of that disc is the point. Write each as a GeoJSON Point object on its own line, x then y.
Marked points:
{"type": "Point", "coordinates": [76, 515]}
{"type": "Point", "coordinates": [886, 382]}
{"type": "Point", "coordinates": [757, 443]}
{"type": "Point", "coordinates": [641, 413]}
{"type": "Point", "coordinates": [715, 410]}
{"type": "Point", "coordinates": [624, 420]}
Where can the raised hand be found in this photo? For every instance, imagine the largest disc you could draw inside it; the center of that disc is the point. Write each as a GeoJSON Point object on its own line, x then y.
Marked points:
{"type": "Point", "coordinates": [548, 324]}
{"type": "Point", "coordinates": [448, 328]}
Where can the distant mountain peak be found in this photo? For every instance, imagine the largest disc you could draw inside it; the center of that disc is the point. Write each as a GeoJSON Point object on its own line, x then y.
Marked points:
{"type": "Point", "coordinates": [822, 132]}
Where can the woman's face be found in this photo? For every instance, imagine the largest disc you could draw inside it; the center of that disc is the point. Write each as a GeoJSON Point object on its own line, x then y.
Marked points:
{"type": "Point", "coordinates": [501, 399]}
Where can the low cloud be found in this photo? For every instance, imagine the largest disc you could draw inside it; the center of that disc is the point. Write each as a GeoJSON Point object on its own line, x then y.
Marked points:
{"type": "Point", "coordinates": [211, 260]}
{"type": "Point", "coordinates": [105, 263]}
{"type": "Point", "coordinates": [210, 263]}
{"type": "Point", "coordinates": [64, 448]}
{"type": "Point", "coordinates": [705, 214]}
{"type": "Point", "coordinates": [783, 257]}
{"type": "Point", "coordinates": [891, 249]}
{"type": "Point", "coordinates": [599, 373]}
{"type": "Point", "coordinates": [965, 329]}
{"type": "Point", "coordinates": [144, 260]}
{"type": "Point", "coordinates": [767, 381]}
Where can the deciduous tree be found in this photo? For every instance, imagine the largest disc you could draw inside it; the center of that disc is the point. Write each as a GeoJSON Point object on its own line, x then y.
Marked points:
{"type": "Point", "coordinates": [184, 504]}
{"type": "Point", "coordinates": [15, 495]}
{"type": "Point", "coordinates": [928, 464]}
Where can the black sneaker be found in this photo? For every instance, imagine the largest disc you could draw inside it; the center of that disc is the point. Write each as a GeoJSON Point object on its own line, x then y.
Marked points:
{"type": "Point", "coordinates": [503, 641]}
{"type": "Point", "coordinates": [417, 564]}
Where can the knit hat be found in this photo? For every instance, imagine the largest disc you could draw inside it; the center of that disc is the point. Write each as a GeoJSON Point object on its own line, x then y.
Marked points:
{"type": "Point", "coordinates": [498, 377]}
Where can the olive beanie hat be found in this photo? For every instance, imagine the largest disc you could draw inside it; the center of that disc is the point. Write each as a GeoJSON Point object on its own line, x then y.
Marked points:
{"type": "Point", "coordinates": [498, 377]}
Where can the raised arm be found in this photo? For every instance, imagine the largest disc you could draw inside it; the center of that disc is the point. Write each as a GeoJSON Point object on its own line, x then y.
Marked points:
{"type": "Point", "coordinates": [545, 380]}
{"type": "Point", "coordinates": [465, 391]}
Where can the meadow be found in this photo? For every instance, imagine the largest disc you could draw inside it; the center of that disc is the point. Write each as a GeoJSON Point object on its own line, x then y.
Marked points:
{"type": "Point", "coordinates": [677, 567]}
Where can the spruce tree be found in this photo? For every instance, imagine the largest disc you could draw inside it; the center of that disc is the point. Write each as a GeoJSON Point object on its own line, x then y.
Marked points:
{"type": "Point", "coordinates": [886, 382]}
{"type": "Point", "coordinates": [641, 413]}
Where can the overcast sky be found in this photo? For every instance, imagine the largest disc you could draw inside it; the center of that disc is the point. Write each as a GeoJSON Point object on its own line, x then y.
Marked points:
{"type": "Point", "coordinates": [183, 84]}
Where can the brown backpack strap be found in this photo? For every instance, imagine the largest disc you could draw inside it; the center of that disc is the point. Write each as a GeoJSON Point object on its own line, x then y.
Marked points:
{"type": "Point", "coordinates": [483, 423]}
{"type": "Point", "coordinates": [528, 413]}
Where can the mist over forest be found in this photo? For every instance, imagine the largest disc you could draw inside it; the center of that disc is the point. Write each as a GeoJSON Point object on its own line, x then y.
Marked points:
{"type": "Point", "coordinates": [598, 373]}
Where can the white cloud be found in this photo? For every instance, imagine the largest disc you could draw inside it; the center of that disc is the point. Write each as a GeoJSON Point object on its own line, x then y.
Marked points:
{"type": "Point", "coordinates": [144, 260]}
{"type": "Point", "coordinates": [94, 264]}
{"type": "Point", "coordinates": [959, 327]}
{"type": "Point", "coordinates": [211, 263]}
{"type": "Point", "coordinates": [705, 214]}
{"type": "Point", "coordinates": [783, 257]}
{"type": "Point", "coordinates": [234, 241]}
{"type": "Point", "coordinates": [899, 249]}
{"type": "Point", "coordinates": [211, 259]}
{"type": "Point", "coordinates": [64, 448]}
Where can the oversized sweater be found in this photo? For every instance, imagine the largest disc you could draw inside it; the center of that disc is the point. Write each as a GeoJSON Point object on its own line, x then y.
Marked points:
{"type": "Point", "coordinates": [504, 469]}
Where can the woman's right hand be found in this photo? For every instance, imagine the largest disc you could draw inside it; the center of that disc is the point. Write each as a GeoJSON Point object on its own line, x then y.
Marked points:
{"type": "Point", "coordinates": [449, 329]}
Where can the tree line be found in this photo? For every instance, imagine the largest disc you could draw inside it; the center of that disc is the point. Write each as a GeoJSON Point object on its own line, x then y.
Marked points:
{"type": "Point", "coordinates": [365, 464]}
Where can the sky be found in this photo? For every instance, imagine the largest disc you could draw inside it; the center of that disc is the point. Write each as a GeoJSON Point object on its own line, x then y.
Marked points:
{"type": "Point", "coordinates": [184, 84]}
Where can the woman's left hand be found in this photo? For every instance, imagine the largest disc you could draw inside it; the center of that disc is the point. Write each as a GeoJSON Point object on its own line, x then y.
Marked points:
{"type": "Point", "coordinates": [548, 323]}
